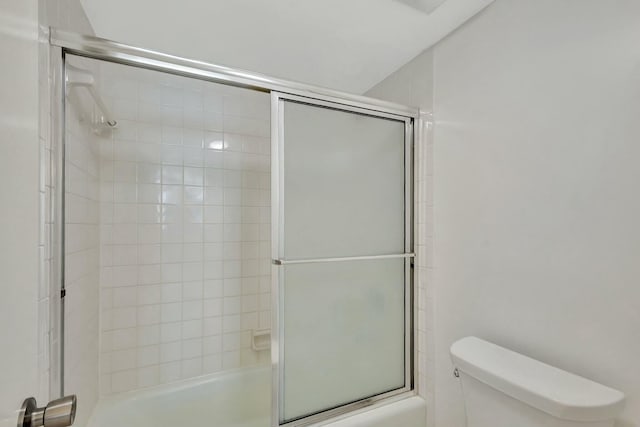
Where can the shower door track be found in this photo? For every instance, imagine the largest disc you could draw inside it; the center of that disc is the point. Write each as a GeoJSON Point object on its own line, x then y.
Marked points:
{"type": "Point", "coordinates": [64, 42]}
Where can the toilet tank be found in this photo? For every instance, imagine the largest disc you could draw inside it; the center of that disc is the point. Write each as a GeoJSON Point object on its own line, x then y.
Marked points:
{"type": "Point", "coordinates": [503, 388]}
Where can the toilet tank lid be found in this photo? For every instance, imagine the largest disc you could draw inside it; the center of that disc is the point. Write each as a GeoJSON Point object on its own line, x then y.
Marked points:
{"type": "Point", "coordinates": [559, 393]}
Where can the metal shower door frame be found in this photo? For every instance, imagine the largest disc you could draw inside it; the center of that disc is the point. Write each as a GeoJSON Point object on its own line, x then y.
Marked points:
{"type": "Point", "coordinates": [278, 260]}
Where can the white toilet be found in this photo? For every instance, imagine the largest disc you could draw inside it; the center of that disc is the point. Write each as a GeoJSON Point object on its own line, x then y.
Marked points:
{"type": "Point", "coordinates": [503, 388]}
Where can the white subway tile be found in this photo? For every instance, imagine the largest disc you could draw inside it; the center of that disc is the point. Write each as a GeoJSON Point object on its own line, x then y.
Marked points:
{"type": "Point", "coordinates": [171, 115]}
{"type": "Point", "coordinates": [122, 338]}
{"type": "Point", "coordinates": [213, 289]}
{"type": "Point", "coordinates": [194, 176]}
{"type": "Point", "coordinates": [192, 329]}
{"type": "Point", "coordinates": [191, 367]}
{"type": "Point", "coordinates": [148, 335]}
{"type": "Point", "coordinates": [212, 363]}
{"type": "Point", "coordinates": [213, 121]}
{"type": "Point", "coordinates": [170, 351]}
{"type": "Point", "coordinates": [171, 312]}
{"type": "Point", "coordinates": [193, 195]}
{"type": "Point", "coordinates": [125, 297]}
{"type": "Point", "coordinates": [192, 310]}
{"type": "Point", "coordinates": [171, 214]}
{"type": "Point", "coordinates": [148, 153]}
{"type": "Point", "coordinates": [213, 270]}
{"type": "Point", "coordinates": [193, 118]}
{"type": "Point", "coordinates": [169, 372]}
{"type": "Point", "coordinates": [212, 326]}
{"type": "Point", "coordinates": [171, 273]}
{"type": "Point", "coordinates": [149, 274]}
{"type": "Point", "coordinates": [149, 314]}
{"type": "Point", "coordinates": [148, 355]}
{"type": "Point", "coordinates": [148, 376]}
{"type": "Point", "coordinates": [123, 381]}
{"type": "Point", "coordinates": [149, 253]}
{"type": "Point", "coordinates": [171, 135]}
{"type": "Point", "coordinates": [232, 287]}
{"type": "Point", "coordinates": [213, 158]}
{"type": "Point", "coordinates": [212, 251]}
{"type": "Point", "coordinates": [170, 332]}
{"type": "Point", "coordinates": [191, 348]}
{"type": "Point", "coordinates": [214, 177]}
{"type": "Point", "coordinates": [123, 359]}
{"type": "Point", "coordinates": [232, 251]}
{"type": "Point", "coordinates": [171, 292]}
{"type": "Point", "coordinates": [231, 323]}
{"type": "Point", "coordinates": [212, 307]}
{"type": "Point", "coordinates": [193, 156]}
{"type": "Point", "coordinates": [192, 252]}
{"type": "Point", "coordinates": [192, 290]}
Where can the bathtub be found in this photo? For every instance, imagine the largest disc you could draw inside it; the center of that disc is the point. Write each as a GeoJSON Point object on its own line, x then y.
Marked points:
{"type": "Point", "coordinates": [240, 398]}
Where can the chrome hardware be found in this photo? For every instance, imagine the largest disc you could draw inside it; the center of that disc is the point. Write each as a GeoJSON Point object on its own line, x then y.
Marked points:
{"type": "Point", "coordinates": [58, 413]}
{"type": "Point", "coordinates": [456, 373]}
{"type": "Point", "coordinates": [349, 258]}
{"type": "Point", "coordinates": [109, 50]}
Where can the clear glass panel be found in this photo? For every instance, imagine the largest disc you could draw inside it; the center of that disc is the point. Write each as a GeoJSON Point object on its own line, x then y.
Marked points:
{"type": "Point", "coordinates": [167, 247]}
{"type": "Point", "coordinates": [342, 334]}
{"type": "Point", "coordinates": [343, 183]}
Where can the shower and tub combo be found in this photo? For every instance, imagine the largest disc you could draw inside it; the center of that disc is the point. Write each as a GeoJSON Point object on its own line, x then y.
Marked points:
{"type": "Point", "coordinates": [239, 250]}
{"type": "Point", "coordinates": [231, 247]}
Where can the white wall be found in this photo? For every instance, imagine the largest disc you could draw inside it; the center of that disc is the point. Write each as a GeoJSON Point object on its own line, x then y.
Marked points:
{"type": "Point", "coordinates": [537, 109]}
{"type": "Point", "coordinates": [25, 190]}
{"type": "Point", "coordinates": [412, 84]}
{"type": "Point", "coordinates": [19, 213]}
{"type": "Point", "coordinates": [342, 45]}
{"type": "Point", "coordinates": [81, 310]}
{"type": "Point", "coordinates": [535, 164]}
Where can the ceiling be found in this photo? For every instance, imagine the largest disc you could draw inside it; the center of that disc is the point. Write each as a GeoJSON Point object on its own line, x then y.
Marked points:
{"type": "Point", "coordinates": [348, 45]}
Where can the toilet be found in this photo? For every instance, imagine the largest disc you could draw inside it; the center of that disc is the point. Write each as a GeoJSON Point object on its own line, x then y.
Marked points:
{"type": "Point", "coordinates": [503, 388]}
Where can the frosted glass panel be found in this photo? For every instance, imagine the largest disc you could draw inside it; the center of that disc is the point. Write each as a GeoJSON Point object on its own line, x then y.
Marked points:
{"type": "Point", "coordinates": [343, 333]}
{"type": "Point", "coordinates": [344, 178]}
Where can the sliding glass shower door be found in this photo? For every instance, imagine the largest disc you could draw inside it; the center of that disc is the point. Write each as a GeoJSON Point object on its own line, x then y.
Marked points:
{"type": "Point", "coordinates": [342, 253]}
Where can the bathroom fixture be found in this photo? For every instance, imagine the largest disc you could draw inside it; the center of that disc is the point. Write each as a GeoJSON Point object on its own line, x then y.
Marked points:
{"type": "Point", "coordinates": [503, 388]}
{"type": "Point", "coordinates": [77, 77]}
{"type": "Point", "coordinates": [58, 413]}
{"type": "Point", "coordinates": [317, 279]}
{"type": "Point", "coordinates": [226, 398]}
{"type": "Point", "coordinates": [260, 339]}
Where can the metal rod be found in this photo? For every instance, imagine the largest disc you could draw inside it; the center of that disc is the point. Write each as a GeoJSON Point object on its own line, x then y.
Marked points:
{"type": "Point", "coordinates": [352, 258]}
{"type": "Point", "coordinates": [95, 47]}
{"type": "Point", "coordinates": [58, 120]}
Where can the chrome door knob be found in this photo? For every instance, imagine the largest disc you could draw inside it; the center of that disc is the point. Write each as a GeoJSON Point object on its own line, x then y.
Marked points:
{"type": "Point", "coordinates": [58, 413]}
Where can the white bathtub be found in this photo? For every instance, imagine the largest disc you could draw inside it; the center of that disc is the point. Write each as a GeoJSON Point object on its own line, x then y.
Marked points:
{"type": "Point", "coordinates": [239, 398]}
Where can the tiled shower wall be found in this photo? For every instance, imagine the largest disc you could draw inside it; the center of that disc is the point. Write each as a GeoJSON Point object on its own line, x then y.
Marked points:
{"type": "Point", "coordinates": [185, 228]}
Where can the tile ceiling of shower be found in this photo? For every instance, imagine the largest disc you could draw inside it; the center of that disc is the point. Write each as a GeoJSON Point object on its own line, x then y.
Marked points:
{"type": "Point", "coordinates": [348, 45]}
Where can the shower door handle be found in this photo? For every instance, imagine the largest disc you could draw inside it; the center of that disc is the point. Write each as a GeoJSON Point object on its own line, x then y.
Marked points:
{"type": "Point", "coordinates": [58, 413]}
